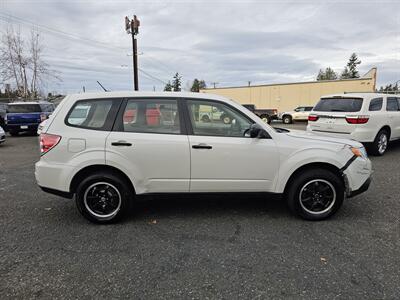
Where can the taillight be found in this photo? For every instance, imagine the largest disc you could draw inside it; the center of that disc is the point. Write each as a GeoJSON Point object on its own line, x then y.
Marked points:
{"type": "Point", "coordinates": [312, 118]}
{"type": "Point", "coordinates": [48, 142]}
{"type": "Point", "coordinates": [357, 119]}
{"type": "Point", "coordinates": [43, 117]}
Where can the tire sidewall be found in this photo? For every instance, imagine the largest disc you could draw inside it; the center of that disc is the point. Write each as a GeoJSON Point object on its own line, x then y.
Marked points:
{"type": "Point", "coordinates": [297, 184]}
{"type": "Point", "coordinates": [375, 149]}
{"type": "Point", "coordinates": [122, 188]}
{"type": "Point", "coordinates": [287, 120]}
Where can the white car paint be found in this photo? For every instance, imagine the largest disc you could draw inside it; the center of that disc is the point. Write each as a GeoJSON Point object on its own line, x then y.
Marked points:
{"type": "Point", "coordinates": [300, 113]}
{"type": "Point", "coordinates": [164, 163]}
{"type": "Point", "coordinates": [2, 135]}
{"type": "Point", "coordinates": [334, 124]}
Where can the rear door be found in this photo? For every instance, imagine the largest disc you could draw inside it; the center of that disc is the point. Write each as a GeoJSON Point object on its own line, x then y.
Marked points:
{"type": "Point", "coordinates": [332, 114]}
{"type": "Point", "coordinates": [150, 144]}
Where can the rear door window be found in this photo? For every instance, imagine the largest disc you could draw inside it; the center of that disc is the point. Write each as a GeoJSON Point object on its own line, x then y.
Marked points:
{"type": "Point", "coordinates": [93, 114]}
{"type": "Point", "coordinates": [376, 104]}
{"type": "Point", "coordinates": [339, 105]}
{"type": "Point", "coordinates": [24, 108]}
{"type": "Point", "coordinates": [392, 104]}
{"type": "Point", "coordinates": [151, 116]}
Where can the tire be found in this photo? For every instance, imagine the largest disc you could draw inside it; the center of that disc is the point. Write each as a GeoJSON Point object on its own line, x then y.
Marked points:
{"type": "Point", "coordinates": [205, 119]}
{"type": "Point", "coordinates": [226, 119]}
{"type": "Point", "coordinates": [14, 133]}
{"type": "Point", "coordinates": [266, 119]}
{"type": "Point", "coordinates": [103, 197]}
{"type": "Point", "coordinates": [324, 189]}
{"type": "Point", "coordinates": [287, 120]}
{"type": "Point", "coordinates": [380, 144]}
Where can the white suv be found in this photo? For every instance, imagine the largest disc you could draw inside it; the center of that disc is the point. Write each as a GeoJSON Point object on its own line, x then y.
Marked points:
{"type": "Point", "coordinates": [370, 118]}
{"type": "Point", "coordinates": [134, 143]}
{"type": "Point", "coordinates": [300, 113]}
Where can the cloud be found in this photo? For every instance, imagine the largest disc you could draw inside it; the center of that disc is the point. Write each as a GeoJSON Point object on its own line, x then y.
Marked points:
{"type": "Point", "coordinates": [230, 42]}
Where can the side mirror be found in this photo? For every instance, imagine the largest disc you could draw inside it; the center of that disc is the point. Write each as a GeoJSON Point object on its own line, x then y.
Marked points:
{"type": "Point", "coordinates": [256, 131]}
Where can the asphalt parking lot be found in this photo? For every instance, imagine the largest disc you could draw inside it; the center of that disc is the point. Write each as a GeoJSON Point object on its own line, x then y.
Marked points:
{"type": "Point", "coordinates": [196, 248]}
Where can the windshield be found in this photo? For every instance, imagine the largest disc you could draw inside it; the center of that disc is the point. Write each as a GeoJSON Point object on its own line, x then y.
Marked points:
{"type": "Point", "coordinates": [339, 104]}
{"type": "Point", "coordinates": [23, 108]}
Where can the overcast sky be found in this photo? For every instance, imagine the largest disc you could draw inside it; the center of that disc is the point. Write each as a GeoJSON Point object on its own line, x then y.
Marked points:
{"type": "Point", "coordinates": [229, 42]}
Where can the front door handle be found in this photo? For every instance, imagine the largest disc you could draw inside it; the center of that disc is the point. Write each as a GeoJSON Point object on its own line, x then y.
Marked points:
{"type": "Point", "coordinates": [202, 146]}
{"type": "Point", "coordinates": [121, 143]}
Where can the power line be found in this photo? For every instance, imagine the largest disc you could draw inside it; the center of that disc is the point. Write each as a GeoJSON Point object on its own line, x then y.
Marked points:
{"type": "Point", "coordinates": [7, 18]}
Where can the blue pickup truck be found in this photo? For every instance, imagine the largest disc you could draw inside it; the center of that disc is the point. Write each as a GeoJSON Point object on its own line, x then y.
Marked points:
{"type": "Point", "coordinates": [26, 116]}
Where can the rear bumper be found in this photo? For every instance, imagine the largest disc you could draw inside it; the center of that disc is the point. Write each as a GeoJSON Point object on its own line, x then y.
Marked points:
{"type": "Point", "coordinates": [17, 127]}
{"type": "Point", "coordinates": [57, 192]}
{"type": "Point", "coordinates": [363, 135]}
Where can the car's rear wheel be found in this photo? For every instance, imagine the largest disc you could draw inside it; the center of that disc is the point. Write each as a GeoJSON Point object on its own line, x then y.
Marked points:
{"type": "Point", "coordinates": [380, 144]}
{"type": "Point", "coordinates": [287, 120]}
{"type": "Point", "coordinates": [103, 197]}
{"type": "Point", "coordinates": [315, 194]}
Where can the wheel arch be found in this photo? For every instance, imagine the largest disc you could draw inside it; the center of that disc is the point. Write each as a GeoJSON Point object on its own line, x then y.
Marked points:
{"type": "Point", "coordinates": [387, 128]}
{"type": "Point", "coordinates": [86, 171]}
{"type": "Point", "coordinates": [309, 166]}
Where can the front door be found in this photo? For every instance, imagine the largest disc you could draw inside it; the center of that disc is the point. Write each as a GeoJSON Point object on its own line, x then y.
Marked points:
{"type": "Point", "coordinates": [148, 142]}
{"type": "Point", "coordinates": [223, 158]}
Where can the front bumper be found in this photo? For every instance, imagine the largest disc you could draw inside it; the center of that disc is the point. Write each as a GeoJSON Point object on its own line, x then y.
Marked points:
{"type": "Point", "coordinates": [2, 137]}
{"type": "Point", "coordinates": [361, 190]}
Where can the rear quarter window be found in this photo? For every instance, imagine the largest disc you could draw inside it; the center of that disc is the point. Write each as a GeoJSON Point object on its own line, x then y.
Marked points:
{"type": "Point", "coordinates": [339, 105]}
{"type": "Point", "coordinates": [376, 104]}
{"type": "Point", "coordinates": [93, 114]}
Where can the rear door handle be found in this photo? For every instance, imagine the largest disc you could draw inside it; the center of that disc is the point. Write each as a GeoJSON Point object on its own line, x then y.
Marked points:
{"type": "Point", "coordinates": [202, 146]}
{"type": "Point", "coordinates": [121, 143]}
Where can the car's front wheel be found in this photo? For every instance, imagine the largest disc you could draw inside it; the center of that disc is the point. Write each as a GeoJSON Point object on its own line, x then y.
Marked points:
{"type": "Point", "coordinates": [315, 194]}
{"type": "Point", "coordinates": [103, 197]}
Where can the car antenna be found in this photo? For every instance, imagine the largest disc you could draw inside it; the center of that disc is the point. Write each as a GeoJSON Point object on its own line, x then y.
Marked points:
{"type": "Point", "coordinates": [102, 86]}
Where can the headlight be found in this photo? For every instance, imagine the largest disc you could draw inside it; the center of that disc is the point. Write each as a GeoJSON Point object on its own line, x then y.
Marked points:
{"type": "Point", "coordinates": [359, 152]}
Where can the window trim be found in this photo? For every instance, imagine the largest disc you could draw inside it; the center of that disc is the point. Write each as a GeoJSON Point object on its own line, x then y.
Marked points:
{"type": "Point", "coordinates": [188, 120]}
{"type": "Point", "coordinates": [109, 122]}
{"type": "Point", "coordinates": [118, 124]}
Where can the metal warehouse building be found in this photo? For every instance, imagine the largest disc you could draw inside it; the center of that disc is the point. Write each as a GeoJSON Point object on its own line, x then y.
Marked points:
{"type": "Point", "coordinates": [287, 96]}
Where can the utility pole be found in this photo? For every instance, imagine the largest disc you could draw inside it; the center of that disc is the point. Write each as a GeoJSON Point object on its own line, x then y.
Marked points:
{"type": "Point", "coordinates": [214, 84]}
{"type": "Point", "coordinates": [132, 28]}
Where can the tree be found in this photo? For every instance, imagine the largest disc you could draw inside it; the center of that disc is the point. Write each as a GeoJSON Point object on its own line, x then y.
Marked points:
{"type": "Point", "coordinates": [328, 74]}
{"type": "Point", "coordinates": [176, 83]}
{"type": "Point", "coordinates": [394, 88]}
{"type": "Point", "coordinates": [168, 87]}
{"type": "Point", "coordinates": [350, 71]}
{"type": "Point", "coordinates": [198, 85]}
{"type": "Point", "coordinates": [25, 69]}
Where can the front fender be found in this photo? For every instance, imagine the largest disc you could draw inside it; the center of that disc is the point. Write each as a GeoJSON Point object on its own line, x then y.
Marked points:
{"type": "Point", "coordinates": [300, 158]}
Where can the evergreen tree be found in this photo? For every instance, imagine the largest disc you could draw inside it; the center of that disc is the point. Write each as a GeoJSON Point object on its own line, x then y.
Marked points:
{"type": "Point", "coordinates": [168, 87]}
{"type": "Point", "coordinates": [198, 85]}
{"type": "Point", "coordinates": [350, 71]}
{"type": "Point", "coordinates": [176, 83]}
{"type": "Point", "coordinates": [328, 74]}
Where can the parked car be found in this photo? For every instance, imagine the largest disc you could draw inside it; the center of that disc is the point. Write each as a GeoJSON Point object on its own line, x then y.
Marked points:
{"type": "Point", "coordinates": [106, 161]}
{"type": "Point", "coordinates": [2, 135]}
{"type": "Point", "coordinates": [300, 113]}
{"type": "Point", "coordinates": [370, 118]}
{"type": "Point", "coordinates": [26, 116]}
{"type": "Point", "coordinates": [3, 111]}
{"type": "Point", "coordinates": [266, 114]}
